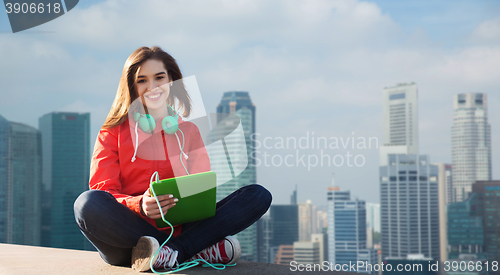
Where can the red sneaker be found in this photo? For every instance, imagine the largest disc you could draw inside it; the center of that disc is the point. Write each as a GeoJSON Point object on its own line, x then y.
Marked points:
{"type": "Point", "coordinates": [145, 250]}
{"type": "Point", "coordinates": [227, 251]}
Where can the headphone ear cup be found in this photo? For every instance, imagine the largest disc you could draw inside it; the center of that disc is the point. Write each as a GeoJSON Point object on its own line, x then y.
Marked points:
{"type": "Point", "coordinates": [170, 125]}
{"type": "Point", "coordinates": [147, 123]}
{"type": "Point", "coordinates": [137, 116]}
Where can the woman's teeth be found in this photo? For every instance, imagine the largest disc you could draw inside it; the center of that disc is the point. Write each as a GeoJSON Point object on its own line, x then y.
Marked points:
{"type": "Point", "coordinates": [154, 96]}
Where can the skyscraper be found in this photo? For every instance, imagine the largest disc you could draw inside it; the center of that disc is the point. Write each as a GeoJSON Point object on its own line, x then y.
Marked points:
{"type": "Point", "coordinates": [20, 183]}
{"type": "Point", "coordinates": [264, 238]}
{"type": "Point", "coordinates": [66, 168]}
{"type": "Point", "coordinates": [347, 230]}
{"type": "Point", "coordinates": [4, 168]}
{"type": "Point", "coordinates": [465, 229]}
{"type": "Point", "coordinates": [372, 223]}
{"type": "Point", "coordinates": [445, 190]}
{"type": "Point", "coordinates": [400, 121]}
{"type": "Point", "coordinates": [409, 207]}
{"type": "Point", "coordinates": [240, 104]}
{"type": "Point", "coordinates": [408, 183]}
{"type": "Point", "coordinates": [306, 213]}
{"type": "Point", "coordinates": [306, 253]}
{"type": "Point", "coordinates": [470, 143]}
{"type": "Point", "coordinates": [488, 207]}
{"type": "Point", "coordinates": [322, 240]}
{"type": "Point", "coordinates": [285, 224]}
{"type": "Point", "coordinates": [373, 216]}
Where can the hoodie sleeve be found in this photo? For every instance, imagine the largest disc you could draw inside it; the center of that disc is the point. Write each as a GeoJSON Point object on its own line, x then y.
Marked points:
{"type": "Point", "coordinates": [105, 169]}
{"type": "Point", "coordinates": [198, 160]}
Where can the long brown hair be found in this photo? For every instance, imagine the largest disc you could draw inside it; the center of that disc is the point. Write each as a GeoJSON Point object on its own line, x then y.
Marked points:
{"type": "Point", "coordinates": [127, 91]}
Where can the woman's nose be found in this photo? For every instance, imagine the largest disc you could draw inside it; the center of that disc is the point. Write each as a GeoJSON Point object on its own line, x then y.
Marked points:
{"type": "Point", "coordinates": [152, 86]}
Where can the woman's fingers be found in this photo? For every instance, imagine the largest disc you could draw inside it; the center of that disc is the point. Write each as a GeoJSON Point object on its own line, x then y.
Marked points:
{"type": "Point", "coordinates": [163, 202]}
{"type": "Point", "coordinates": [148, 200]}
{"type": "Point", "coordinates": [160, 197]}
{"type": "Point", "coordinates": [150, 206]}
{"type": "Point", "coordinates": [156, 214]}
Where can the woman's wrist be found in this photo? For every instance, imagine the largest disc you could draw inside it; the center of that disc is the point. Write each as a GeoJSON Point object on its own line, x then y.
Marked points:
{"type": "Point", "coordinates": [142, 210]}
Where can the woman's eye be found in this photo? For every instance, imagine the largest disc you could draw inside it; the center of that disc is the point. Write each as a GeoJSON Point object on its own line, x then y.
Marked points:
{"type": "Point", "coordinates": [141, 81]}
{"type": "Point", "coordinates": [160, 77]}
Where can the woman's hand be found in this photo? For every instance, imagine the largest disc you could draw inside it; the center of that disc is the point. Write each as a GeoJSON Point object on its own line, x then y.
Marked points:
{"type": "Point", "coordinates": [150, 208]}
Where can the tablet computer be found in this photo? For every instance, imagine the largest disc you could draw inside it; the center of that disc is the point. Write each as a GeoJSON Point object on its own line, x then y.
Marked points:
{"type": "Point", "coordinates": [196, 194]}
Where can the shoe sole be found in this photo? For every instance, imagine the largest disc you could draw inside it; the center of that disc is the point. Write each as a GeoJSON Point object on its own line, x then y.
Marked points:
{"type": "Point", "coordinates": [236, 249]}
{"type": "Point", "coordinates": [143, 252]}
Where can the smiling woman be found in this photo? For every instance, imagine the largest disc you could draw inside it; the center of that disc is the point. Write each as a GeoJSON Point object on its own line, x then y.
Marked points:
{"type": "Point", "coordinates": [145, 68]}
{"type": "Point", "coordinates": [118, 216]}
{"type": "Point", "coordinates": [152, 87]}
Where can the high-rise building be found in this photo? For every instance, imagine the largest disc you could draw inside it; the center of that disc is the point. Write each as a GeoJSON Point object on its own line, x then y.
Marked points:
{"type": "Point", "coordinates": [20, 183]}
{"type": "Point", "coordinates": [293, 196]}
{"type": "Point", "coordinates": [445, 190]}
{"type": "Point", "coordinates": [306, 220]}
{"type": "Point", "coordinates": [347, 230]}
{"type": "Point", "coordinates": [322, 240]}
{"type": "Point", "coordinates": [4, 168]}
{"type": "Point", "coordinates": [284, 254]}
{"type": "Point", "coordinates": [264, 238]}
{"type": "Point", "coordinates": [445, 182]}
{"type": "Point", "coordinates": [306, 253]}
{"type": "Point", "coordinates": [285, 224]}
{"type": "Point", "coordinates": [488, 207]}
{"type": "Point", "coordinates": [470, 143]}
{"type": "Point", "coordinates": [66, 169]}
{"type": "Point", "coordinates": [240, 104]}
{"type": "Point", "coordinates": [373, 216]}
{"type": "Point", "coordinates": [372, 224]}
{"type": "Point", "coordinates": [465, 229]}
{"type": "Point", "coordinates": [409, 201]}
{"type": "Point", "coordinates": [400, 121]}
{"type": "Point", "coordinates": [322, 222]}
{"type": "Point", "coordinates": [409, 205]}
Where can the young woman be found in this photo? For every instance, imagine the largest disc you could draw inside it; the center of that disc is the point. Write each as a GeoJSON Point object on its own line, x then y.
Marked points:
{"type": "Point", "coordinates": [118, 214]}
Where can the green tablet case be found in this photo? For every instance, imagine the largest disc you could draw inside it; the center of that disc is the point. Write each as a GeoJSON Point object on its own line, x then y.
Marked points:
{"type": "Point", "coordinates": [196, 194]}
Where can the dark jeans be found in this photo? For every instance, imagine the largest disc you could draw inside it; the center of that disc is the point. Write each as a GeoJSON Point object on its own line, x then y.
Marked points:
{"type": "Point", "coordinates": [114, 229]}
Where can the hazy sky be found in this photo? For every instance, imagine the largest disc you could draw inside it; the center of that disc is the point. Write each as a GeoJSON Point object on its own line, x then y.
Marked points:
{"type": "Point", "coordinates": [312, 68]}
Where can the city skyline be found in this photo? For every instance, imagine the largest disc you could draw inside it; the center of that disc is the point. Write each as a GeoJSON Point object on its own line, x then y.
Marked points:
{"type": "Point", "coordinates": [323, 206]}
{"type": "Point", "coordinates": [303, 81]}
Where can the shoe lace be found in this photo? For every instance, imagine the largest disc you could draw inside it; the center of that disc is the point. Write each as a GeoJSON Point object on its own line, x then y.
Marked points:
{"type": "Point", "coordinates": [212, 254]}
{"type": "Point", "coordinates": [167, 258]}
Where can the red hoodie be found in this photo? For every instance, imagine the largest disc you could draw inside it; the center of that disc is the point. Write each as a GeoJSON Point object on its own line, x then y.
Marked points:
{"type": "Point", "coordinates": [113, 170]}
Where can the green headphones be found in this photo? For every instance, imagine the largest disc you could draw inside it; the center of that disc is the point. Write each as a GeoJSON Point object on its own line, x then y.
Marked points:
{"type": "Point", "coordinates": [147, 123]}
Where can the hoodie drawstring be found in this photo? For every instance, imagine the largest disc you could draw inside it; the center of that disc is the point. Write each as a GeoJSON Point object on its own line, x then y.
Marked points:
{"type": "Point", "coordinates": [181, 147]}
{"type": "Point", "coordinates": [136, 141]}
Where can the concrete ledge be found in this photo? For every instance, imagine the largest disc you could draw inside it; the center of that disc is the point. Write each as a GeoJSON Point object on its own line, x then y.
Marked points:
{"type": "Point", "coordinates": [20, 259]}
